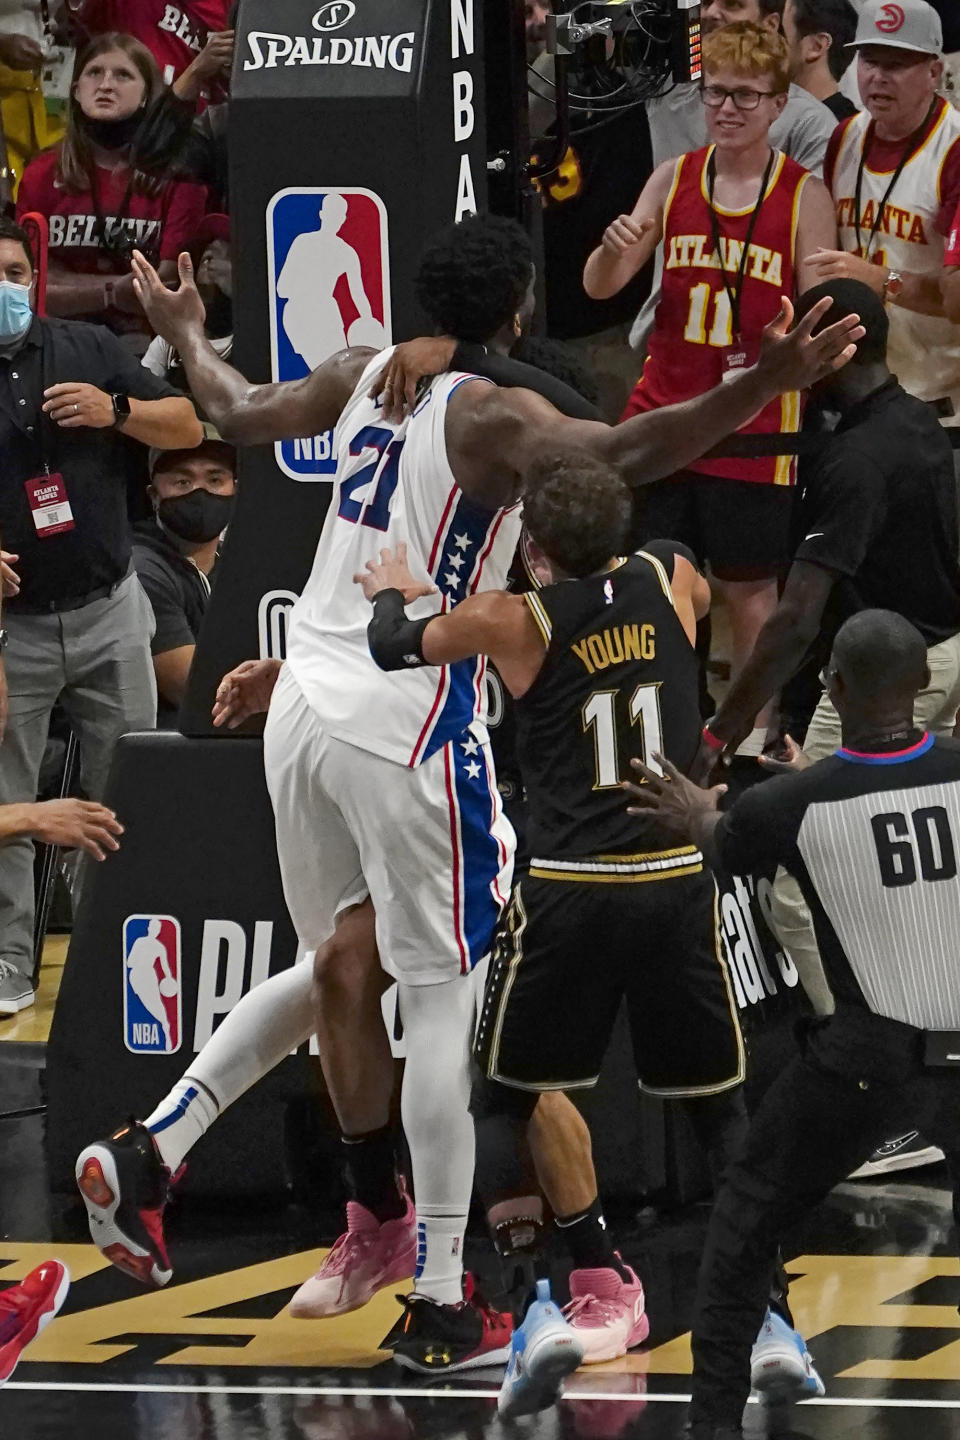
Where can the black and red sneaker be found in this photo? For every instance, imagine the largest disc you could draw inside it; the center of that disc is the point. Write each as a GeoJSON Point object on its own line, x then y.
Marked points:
{"type": "Point", "coordinates": [125, 1187]}
{"type": "Point", "coordinates": [435, 1339]}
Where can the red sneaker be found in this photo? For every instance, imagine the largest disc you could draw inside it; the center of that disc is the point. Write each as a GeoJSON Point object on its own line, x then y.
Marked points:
{"type": "Point", "coordinates": [367, 1257]}
{"type": "Point", "coordinates": [435, 1339]}
{"type": "Point", "coordinates": [607, 1312]}
{"type": "Point", "coordinates": [125, 1187]}
{"type": "Point", "coordinates": [28, 1308]}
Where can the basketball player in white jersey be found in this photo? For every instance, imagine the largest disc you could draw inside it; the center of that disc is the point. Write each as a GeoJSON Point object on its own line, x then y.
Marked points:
{"type": "Point", "coordinates": [894, 173]}
{"type": "Point", "coordinates": [383, 785]}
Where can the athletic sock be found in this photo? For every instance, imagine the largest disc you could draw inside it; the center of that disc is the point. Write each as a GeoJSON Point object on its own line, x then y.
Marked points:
{"type": "Point", "coordinates": [588, 1241]}
{"type": "Point", "coordinates": [180, 1119]}
{"type": "Point", "coordinates": [370, 1171]}
{"type": "Point", "coordinates": [439, 1273]}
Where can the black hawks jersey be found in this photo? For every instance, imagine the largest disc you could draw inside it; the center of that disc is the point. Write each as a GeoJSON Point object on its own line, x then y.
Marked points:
{"type": "Point", "coordinates": [620, 679]}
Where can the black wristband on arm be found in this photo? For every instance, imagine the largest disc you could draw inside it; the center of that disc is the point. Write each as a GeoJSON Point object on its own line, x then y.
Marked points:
{"type": "Point", "coordinates": [396, 643]}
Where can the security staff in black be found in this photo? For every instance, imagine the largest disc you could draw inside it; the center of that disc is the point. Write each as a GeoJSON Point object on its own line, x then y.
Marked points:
{"type": "Point", "coordinates": [601, 666]}
{"type": "Point", "coordinates": [872, 835]}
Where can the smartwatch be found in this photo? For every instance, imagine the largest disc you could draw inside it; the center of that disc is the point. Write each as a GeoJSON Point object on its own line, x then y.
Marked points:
{"type": "Point", "coordinates": [121, 409]}
{"type": "Point", "coordinates": [3, 641]}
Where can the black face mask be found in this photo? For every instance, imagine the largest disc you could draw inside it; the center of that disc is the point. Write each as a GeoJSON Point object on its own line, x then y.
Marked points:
{"type": "Point", "coordinates": [196, 517]}
{"type": "Point", "coordinates": [113, 134]}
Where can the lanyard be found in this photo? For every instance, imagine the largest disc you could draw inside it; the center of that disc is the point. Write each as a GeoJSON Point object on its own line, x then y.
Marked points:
{"type": "Point", "coordinates": [734, 295]}
{"type": "Point", "coordinates": [908, 152]}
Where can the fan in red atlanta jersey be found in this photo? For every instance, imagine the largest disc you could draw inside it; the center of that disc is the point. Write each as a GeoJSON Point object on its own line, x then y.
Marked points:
{"type": "Point", "coordinates": [737, 220]}
{"type": "Point", "coordinates": [98, 204]}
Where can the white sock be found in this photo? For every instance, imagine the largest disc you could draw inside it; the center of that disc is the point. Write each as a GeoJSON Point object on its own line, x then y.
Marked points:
{"type": "Point", "coordinates": [273, 1019]}
{"type": "Point", "coordinates": [754, 743]}
{"type": "Point", "coordinates": [180, 1119]}
{"type": "Point", "coordinates": [438, 1023]}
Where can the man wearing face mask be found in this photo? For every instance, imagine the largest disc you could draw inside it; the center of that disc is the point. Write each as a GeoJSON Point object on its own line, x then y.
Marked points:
{"type": "Point", "coordinates": [192, 493]}
{"type": "Point", "coordinates": [72, 398]}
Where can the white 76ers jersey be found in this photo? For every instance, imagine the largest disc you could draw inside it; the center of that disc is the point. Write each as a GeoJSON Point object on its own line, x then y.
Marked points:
{"type": "Point", "coordinates": [394, 483]}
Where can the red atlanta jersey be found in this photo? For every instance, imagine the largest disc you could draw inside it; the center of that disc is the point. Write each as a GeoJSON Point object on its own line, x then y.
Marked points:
{"type": "Point", "coordinates": [161, 225]}
{"type": "Point", "coordinates": [175, 34]}
{"type": "Point", "coordinates": [693, 330]}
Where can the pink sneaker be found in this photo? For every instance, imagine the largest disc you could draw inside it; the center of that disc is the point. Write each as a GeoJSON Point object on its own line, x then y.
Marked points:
{"type": "Point", "coordinates": [367, 1257]}
{"type": "Point", "coordinates": [27, 1309]}
{"type": "Point", "coordinates": [607, 1313]}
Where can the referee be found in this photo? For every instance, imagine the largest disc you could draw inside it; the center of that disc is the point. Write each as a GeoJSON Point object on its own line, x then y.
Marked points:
{"type": "Point", "coordinates": [872, 835]}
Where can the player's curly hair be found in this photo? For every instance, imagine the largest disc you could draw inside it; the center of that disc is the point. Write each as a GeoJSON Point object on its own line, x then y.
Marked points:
{"type": "Point", "coordinates": [577, 509]}
{"type": "Point", "coordinates": [473, 276]}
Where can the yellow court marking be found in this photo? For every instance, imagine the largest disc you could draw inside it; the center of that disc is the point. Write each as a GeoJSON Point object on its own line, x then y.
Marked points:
{"type": "Point", "coordinates": [91, 1337]}
{"type": "Point", "coordinates": [849, 1290]}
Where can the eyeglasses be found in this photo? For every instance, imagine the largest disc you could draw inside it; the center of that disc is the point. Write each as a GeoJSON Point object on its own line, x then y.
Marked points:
{"type": "Point", "coordinates": [743, 97]}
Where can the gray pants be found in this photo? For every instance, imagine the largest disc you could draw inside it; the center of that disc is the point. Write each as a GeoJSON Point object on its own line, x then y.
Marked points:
{"type": "Point", "coordinates": [935, 709]}
{"type": "Point", "coordinates": [96, 662]}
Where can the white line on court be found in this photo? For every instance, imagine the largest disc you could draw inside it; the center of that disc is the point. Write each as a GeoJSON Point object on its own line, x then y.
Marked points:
{"type": "Point", "coordinates": [879, 1402]}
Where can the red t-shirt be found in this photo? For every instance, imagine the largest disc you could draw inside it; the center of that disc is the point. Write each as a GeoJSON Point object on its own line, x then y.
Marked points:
{"type": "Point", "coordinates": [174, 33]}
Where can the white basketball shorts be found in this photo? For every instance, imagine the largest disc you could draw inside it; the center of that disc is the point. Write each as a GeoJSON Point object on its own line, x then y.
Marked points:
{"type": "Point", "coordinates": [430, 846]}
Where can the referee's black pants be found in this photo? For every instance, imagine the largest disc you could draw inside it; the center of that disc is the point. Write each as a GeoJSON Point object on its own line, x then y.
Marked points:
{"type": "Point", "coordinates": [858, 1080]}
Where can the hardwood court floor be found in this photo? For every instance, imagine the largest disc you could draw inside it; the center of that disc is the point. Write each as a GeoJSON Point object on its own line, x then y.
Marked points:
{"type": "Point", "coordinates": [216, 1357]}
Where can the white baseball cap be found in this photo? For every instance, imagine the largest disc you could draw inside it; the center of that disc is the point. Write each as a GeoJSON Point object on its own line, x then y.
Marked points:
{"type": "Point", "coordinates": [899, 25]}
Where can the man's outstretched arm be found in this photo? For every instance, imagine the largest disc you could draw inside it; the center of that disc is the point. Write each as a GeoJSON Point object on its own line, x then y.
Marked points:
{"type": "Point", "coordinates": [245, 414]}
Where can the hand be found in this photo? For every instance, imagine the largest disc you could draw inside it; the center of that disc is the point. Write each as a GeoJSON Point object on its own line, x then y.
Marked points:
{"type": "Point", "coordinates": [399, 378]}
{"type": "Point", "coordinates": [671, 798]}
{"type": "Point", "coordinates": [841, 265]}
{"type": "Point", "coordinates": [76, 405]}
{"type": "Point", "coordinates": [392, 573]}
{"type": "Point", "coordinates": [216, 56]}
{"type": "Point", "coordinates": [245, 691]}
{"type": "Point", "coordinates": [177, 315]}
{"type": "Point", "coordinates": [20, 52]}
{"type": "Point", "coordinates": [9, 579]}
{"type": "Point", "coordinates": [790, 762]}
{"type": "Point", "coordinates": [796, 359]}
{"type": "Point", "coordinates": [623, 233]}
{"type": "Point", "coordinates": [75, 825]}
{"type": "Point", "coordinates": [707, 764]}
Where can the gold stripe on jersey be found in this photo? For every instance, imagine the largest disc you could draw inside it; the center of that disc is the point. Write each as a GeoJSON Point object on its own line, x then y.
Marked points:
{"type": "Point", "coordinates": [677, 170]}
{"type": "Point", "coordinates": [621, 869]}
{"type": "Point", "coordinates": [783, 472]}
{"type": "Point", "coordinates": [733, 1080]}
{"type": "Point", "coordinates": [540, 616]}
{"type": "Point", "coordinates": [661, 576]}
{"type": "Point", "coordinates": [721, 209]}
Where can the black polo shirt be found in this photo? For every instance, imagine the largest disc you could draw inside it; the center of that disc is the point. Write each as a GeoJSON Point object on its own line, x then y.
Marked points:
{"type": "Point", "coordinates": [879, 508]}
{"type": "Point", "coordinates": [93, 463]}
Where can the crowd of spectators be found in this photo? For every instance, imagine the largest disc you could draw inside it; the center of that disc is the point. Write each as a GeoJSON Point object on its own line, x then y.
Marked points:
{"type": "Point", "coordinates": [115, 123]}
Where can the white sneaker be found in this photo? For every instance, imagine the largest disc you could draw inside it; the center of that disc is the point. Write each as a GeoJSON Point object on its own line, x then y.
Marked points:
{"type": "Point", "coordinates": [781, 1367]}
{"type": "Point", "coordinates": [903, 1152]}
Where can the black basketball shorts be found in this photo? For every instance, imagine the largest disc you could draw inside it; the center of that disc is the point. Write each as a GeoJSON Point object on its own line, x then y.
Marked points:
{"type": "Point", "coordinates": [570, 948]}
{"type": "Point", "coordinates": [741, 529]}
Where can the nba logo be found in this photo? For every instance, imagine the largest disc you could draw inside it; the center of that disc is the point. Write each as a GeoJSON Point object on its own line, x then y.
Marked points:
{"type": "Point", "coordinates": [152, 1011]}
{"type": "Point", "coordinates": [329, 274]}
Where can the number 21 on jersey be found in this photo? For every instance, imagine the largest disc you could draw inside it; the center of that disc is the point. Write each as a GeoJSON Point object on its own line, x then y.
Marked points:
{"type": "Point", "coordinates": [382, 475]}
{"type": "Point", "coordinates": [600, 716]}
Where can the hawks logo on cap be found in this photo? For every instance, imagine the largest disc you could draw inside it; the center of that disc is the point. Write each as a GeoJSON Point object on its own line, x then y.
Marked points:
{"type": "Point", "coordinates": [890, 19]}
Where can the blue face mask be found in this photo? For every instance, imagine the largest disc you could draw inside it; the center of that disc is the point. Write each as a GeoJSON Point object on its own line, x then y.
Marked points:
{"type": "Point", "coordinates": [15, 312]}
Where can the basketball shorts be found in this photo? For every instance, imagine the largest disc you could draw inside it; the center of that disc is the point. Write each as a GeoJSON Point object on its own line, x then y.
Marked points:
{"type": "Point", "coordinates": [742, 530]}
{"type": "Point", "coordinates": [430, 846]}
{"type": "Point", "coordinates": [570, 950]}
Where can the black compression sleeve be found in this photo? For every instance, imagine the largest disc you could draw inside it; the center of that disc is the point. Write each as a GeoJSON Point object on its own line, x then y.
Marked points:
{"type": "Point", "coordinates": [395, 642]}
{"type": "Point", "coordinates": [512, 374]}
